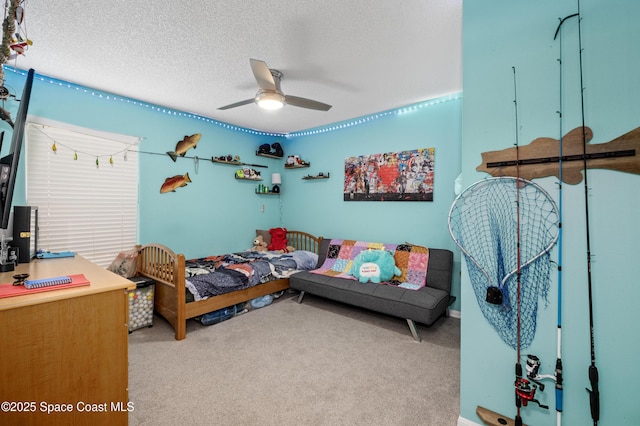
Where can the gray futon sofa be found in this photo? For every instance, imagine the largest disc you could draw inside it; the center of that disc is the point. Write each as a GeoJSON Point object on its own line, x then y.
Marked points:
{"type": "Point", "coordinates": [425, 305]}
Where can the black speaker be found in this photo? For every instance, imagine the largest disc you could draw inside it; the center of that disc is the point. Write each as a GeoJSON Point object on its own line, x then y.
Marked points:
{"type": "Point", "coordinates": [22, 232]}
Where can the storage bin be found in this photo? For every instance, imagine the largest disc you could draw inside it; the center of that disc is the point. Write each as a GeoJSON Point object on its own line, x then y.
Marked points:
{"type": "Point", "coordinates": [223, 314]}
{"type": "Point", "coordinates": [141, 303]}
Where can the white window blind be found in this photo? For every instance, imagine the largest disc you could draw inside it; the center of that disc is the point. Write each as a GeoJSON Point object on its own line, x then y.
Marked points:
{"type": "Point", "coordinates": [86, 204]}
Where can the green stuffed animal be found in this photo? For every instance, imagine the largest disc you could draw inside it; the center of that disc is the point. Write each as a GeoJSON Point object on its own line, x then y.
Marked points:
{"type": "Point", "coordinates": [375, 266]}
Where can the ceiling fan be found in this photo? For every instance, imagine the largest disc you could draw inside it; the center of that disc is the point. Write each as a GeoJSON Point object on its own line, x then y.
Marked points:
{"type": "Point", "coordinates": [270, 95]}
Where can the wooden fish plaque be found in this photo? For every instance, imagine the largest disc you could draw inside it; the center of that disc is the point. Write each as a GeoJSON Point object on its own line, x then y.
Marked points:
{"type": "Point", "coordinates": [491, 418]}
{"type": "Point", "coordinates": [541, 157]}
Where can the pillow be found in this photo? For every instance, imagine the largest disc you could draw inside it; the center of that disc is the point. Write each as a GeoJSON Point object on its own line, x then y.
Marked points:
{"type": "Point", "coordinates": [266, 236]}
{"type": "Point", "coordinates": [412, 261]}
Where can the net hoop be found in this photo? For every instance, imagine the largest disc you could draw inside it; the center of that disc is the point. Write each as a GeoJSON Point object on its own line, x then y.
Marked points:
{"type": "Point", "coordinates": [484, 222]}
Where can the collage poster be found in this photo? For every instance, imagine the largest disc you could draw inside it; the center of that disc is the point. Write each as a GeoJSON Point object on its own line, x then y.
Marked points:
{"type": "Point", "coordinates": [393, 176]}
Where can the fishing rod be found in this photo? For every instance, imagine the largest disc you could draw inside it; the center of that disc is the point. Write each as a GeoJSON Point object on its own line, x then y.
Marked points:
{"type": "Point", "coordinates": [533, 362]}
{"type": "Point", "coordinates": [519, 379]}
{"type": "Point", "coordinates": [594, 393]}
{"type": "Point", "coordinates": [212, 159]}
{"type": "Point", "coordinates": [558, 375]}
{"type": "Point", "coordinates": [525, 389]}
{"type": "Point", "coordinates": [558, 372]}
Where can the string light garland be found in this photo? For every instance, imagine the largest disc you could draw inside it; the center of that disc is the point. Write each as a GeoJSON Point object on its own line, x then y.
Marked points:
{"type": "Point", "coordinates": [315, 131]}
{"type": "Point", "coordinates": [54, 148]}
{"type": "Point", "coordinates": [372, 117]}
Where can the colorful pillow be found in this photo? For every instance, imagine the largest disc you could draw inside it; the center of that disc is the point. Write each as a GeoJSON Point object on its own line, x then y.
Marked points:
{"type": "Point", "coordinates": [412, 261]}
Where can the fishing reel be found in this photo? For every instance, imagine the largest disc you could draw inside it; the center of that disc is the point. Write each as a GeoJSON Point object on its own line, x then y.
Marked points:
{"type": "Point", "coordinates": [526, 392]}
{"type": "Point", "coordinates": [533, 370]}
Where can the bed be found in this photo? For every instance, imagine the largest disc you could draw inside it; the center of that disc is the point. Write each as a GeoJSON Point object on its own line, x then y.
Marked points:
{"type": "Point", "coordinates": [169, 271]}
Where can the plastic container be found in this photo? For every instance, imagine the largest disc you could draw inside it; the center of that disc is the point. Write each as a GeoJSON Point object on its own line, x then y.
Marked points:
{"type": "Point", "coordinates": [220, 315]}
{"type": "Point", "coordinates": [141, 303]}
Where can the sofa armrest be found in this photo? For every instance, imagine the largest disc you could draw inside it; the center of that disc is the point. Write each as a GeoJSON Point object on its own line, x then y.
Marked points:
{"type": "Point", "coordinates": [440, 269]}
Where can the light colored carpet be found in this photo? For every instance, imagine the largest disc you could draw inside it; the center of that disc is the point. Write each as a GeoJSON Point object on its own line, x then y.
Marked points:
{"type": "Point", "coordinates": [315, 363]}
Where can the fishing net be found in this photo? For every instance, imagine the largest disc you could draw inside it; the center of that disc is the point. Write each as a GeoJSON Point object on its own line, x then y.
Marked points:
{"type": "Point", "coordinates": [483, 222]}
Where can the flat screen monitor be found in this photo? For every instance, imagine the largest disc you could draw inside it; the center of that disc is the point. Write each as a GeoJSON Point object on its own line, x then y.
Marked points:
{"type": "Point", "coordinates": [9, 163]}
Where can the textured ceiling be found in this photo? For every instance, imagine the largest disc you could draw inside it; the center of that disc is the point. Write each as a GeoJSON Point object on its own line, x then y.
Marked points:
{"type": "Point", "coordinates": [361, 56]}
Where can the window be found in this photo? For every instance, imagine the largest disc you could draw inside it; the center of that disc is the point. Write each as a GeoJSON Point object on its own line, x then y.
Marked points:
{"type": "Point", "coordinates": [85, 186]}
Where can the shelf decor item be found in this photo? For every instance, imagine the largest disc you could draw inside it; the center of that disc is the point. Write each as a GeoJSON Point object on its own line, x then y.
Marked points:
{"type": "Point", "coordinates": [265, 150]}
{"type": "Point", "coordinates": [294, 162]}
{"type": "Point", "coordinates": [276, 180]}
{"type": "Point", "coordinates": [248, 174]}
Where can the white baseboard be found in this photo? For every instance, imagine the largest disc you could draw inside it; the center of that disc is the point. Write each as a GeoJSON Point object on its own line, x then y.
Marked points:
{"type": "Point", "coordinates": [465, 422]}
{"type": "Point", "coordinates": [455, 314]}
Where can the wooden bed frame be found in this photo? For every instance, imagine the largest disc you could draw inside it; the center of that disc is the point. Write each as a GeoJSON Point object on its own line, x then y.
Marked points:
{"type": "Point", "coordinates": [167, 269]}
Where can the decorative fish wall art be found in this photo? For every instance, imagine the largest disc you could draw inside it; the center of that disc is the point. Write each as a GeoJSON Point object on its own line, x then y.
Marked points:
{"type": "Point", "coordinates": [540, 158]}
{"type": "Point", "coordinates": [185, 145]}
{"type": "Point", "coordinates": [172, 183]}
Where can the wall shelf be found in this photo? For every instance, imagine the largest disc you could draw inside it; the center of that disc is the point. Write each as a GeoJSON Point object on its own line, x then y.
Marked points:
{"type": "Point", "coordinates": [229, 163]}
{"type": "Point", "coordinates": [236, 163]}
{"type": "Point", "coordinates": [267, 193]}
{"type": "Point", "coordinates": [296, 166]}
{"type": "Point", "coordinates": [253, 179]}
{"type": "Point", "coordinates": [260, 154]}
{"type": "Point", "coordinates": [309, 177]}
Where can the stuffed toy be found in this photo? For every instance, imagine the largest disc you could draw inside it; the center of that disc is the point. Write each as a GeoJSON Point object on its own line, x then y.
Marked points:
{"type": "Point", "coordinates": [287, 249]}
{"type": "Point", "coordinates": [259, 244]}
{"type": "Point", "coordinates": [375, 266]}
{"type": "Point", "coordinates": [279, 241]}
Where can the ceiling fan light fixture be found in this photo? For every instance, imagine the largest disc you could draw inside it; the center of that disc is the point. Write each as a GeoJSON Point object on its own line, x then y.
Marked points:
{"type": "Point", "coordinates": [270, 97]}
{"type": "Point", "coordinates": [270, 100]}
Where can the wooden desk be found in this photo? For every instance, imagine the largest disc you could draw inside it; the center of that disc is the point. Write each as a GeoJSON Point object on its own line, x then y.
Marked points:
{"type": "Point", "coordinates": [65, 350]}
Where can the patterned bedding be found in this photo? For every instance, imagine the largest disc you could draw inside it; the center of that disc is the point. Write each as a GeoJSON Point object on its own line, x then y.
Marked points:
{"type": "Point", "coordinates": [216, 275]}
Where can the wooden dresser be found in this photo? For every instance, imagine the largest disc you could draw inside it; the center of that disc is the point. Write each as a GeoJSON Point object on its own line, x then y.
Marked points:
{"type": "Point", "coordinates": [64, 353]}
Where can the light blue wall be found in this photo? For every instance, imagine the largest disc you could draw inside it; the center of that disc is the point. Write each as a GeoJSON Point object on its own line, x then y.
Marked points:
{"type": "Point", "coordinates": [497, 36]}
{"type": "Point", "coordinates": [318, 205]}
{"type": "Point", "coordinates": [214, 213]}
{"type": "Point", "coordinates": [217, 213]}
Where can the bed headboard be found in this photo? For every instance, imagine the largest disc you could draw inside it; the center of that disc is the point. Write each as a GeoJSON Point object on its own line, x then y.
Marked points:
{"type": "Point", "coordinates": [303, 241]}
{"type": "Point", "coordinates": [160, 263]}
{"type": "Point", "coordinates": [296, 239]}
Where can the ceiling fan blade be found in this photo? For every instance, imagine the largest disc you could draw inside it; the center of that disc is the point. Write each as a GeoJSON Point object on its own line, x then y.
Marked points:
{"type": "Point", "coordinates": [237, 104]}
{"type": "Point", "coordinates": [306, 103]}
{"type": "Point", "coordinates": [263, 76]}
